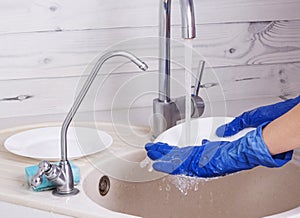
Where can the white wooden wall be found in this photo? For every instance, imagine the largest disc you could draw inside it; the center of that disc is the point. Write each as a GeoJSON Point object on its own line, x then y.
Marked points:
{"type": "Point", "coordinates": [252, 47]}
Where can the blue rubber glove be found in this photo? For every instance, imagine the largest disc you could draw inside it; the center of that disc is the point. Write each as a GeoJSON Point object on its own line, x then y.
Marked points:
{"type": "Point", "coordinates": [256, 117]}
{"type": "Point", "coordinates": [215, 158]}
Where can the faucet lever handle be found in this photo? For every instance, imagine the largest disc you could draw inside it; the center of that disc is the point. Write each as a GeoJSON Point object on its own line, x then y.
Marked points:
{"type": "Point", "coordinates": [199, 75]}
{"type": "Point", "coordinates": [37, 179]}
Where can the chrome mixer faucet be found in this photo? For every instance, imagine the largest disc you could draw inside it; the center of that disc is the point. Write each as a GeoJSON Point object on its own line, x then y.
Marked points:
{"type": "Point", "coordinates": [167, 111]}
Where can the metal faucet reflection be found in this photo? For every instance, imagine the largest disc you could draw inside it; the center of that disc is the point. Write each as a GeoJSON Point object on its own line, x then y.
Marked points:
{"type": "Point", "coordinates": [166, 111]}
{"type": "Point", "coordinates": [62, 174]}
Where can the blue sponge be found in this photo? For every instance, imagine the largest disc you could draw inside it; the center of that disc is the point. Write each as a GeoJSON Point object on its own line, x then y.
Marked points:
{"type": "Point", "coordinates": [46, 184]}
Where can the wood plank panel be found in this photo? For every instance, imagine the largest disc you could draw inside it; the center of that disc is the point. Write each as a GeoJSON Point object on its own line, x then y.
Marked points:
{"type": "Point", "coordinates": [61, 54]}
{"type": "Point", "coordinates": [133, 90]}
{"type": "Point", "coordinates": [48, 15]}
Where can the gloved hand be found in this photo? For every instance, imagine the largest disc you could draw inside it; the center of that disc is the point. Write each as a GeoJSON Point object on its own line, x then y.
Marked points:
{"type": "Point", "coordinates": [215, 158]}
{"type": "Point", "coordinates": [256, 117]}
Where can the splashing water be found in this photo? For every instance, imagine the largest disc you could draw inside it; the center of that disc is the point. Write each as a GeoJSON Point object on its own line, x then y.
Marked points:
{"type": "Point", "coordinates": [186, 183]}
{"type": "Point", "coordinates": [181, 182]}
{"type": "Point", "coordinates": [146, 163]}
{"type": "Point", "coordinates": [168, 187]}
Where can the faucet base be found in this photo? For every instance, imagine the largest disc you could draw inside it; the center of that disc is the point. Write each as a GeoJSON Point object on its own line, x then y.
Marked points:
{"type": "Point", "coordinates": [166, 114]}
{"type": "Point", "coordinates": [75, 191]}
{"type": "Point", "coordinates": [163, 116]}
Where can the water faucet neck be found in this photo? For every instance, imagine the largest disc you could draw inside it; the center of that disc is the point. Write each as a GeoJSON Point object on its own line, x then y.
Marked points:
{"type": "Point", "coordinates": [188, 32]}
{"type": "Point", "coordinates": [188, 27]}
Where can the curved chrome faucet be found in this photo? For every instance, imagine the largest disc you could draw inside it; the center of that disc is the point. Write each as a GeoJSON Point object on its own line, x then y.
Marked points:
{"type": "Point", "coordinates": [188, 30]}
{"type": "Point", "coordinates": [62, 174]}
{"type": "Point", "coordinates": [166, 111]}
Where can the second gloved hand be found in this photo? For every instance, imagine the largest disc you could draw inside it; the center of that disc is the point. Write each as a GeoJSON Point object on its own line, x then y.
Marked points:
{"type": "Point", "coordinates": [215, 158]}
{"type": "Point", "coordinates": [256, 117]}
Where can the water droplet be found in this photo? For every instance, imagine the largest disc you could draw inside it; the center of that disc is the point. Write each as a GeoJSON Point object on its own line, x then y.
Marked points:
{"type": "Point", "coordinates": [144, 163]}
{"type": "Point", "coordinates": [167, 197]}
{"type": "Point", "coordinates": [150, 169]}
{"type": "Point", "coordinates": [196, 187]}
{"type": "Point", "coordinates": [211, 200]}
{"type": "Point", "coordinates": [168, 187]}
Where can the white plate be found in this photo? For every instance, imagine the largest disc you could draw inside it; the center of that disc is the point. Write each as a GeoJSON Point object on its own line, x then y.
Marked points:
{"type": "Point", "coordinates": [44, 143]}
{"type": "Point", "coordinates": [201, 128]}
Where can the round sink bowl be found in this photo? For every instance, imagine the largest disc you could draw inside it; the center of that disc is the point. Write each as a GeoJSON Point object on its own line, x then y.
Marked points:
{"type": "Point", "coordinates": [255, 193]}
{"type": "Point", "coordinates": [132, 188]}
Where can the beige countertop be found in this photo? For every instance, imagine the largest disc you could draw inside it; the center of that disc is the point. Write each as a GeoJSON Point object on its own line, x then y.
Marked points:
{"type": "Point", "coordinates": [14, 189]}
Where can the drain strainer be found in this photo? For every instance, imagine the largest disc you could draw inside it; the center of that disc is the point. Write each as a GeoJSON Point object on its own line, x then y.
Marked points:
{"type": "Point", "coordinates": [104, 185]}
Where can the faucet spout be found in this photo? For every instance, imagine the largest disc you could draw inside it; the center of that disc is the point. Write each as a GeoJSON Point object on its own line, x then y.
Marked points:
{"type": "Point", "coordinates": [142, 65]}
{"type": "Point", "coordinates": [188, 28]}
{"type": "Point", "coordinates": [166, 112]}
{"type": "Point", "coordinates": [188, 32]}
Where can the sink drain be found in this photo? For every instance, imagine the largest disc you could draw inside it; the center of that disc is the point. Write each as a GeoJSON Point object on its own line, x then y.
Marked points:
{"type": "Point", "coordinates": [104, 185]}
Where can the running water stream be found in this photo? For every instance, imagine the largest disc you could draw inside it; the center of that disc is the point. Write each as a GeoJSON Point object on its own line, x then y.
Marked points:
{"type": "Point", "coordinates": [188, 60]}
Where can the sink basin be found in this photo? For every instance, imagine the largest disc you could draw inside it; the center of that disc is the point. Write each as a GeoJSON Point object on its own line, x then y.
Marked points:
{"type": "Point", "coordinates": [254, 193]}
{"type": "Point", "coordinates": [137, 190]}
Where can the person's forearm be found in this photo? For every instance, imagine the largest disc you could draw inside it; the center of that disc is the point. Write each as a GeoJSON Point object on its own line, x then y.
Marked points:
{"type": "Point", "coordinates": [283, 134]}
